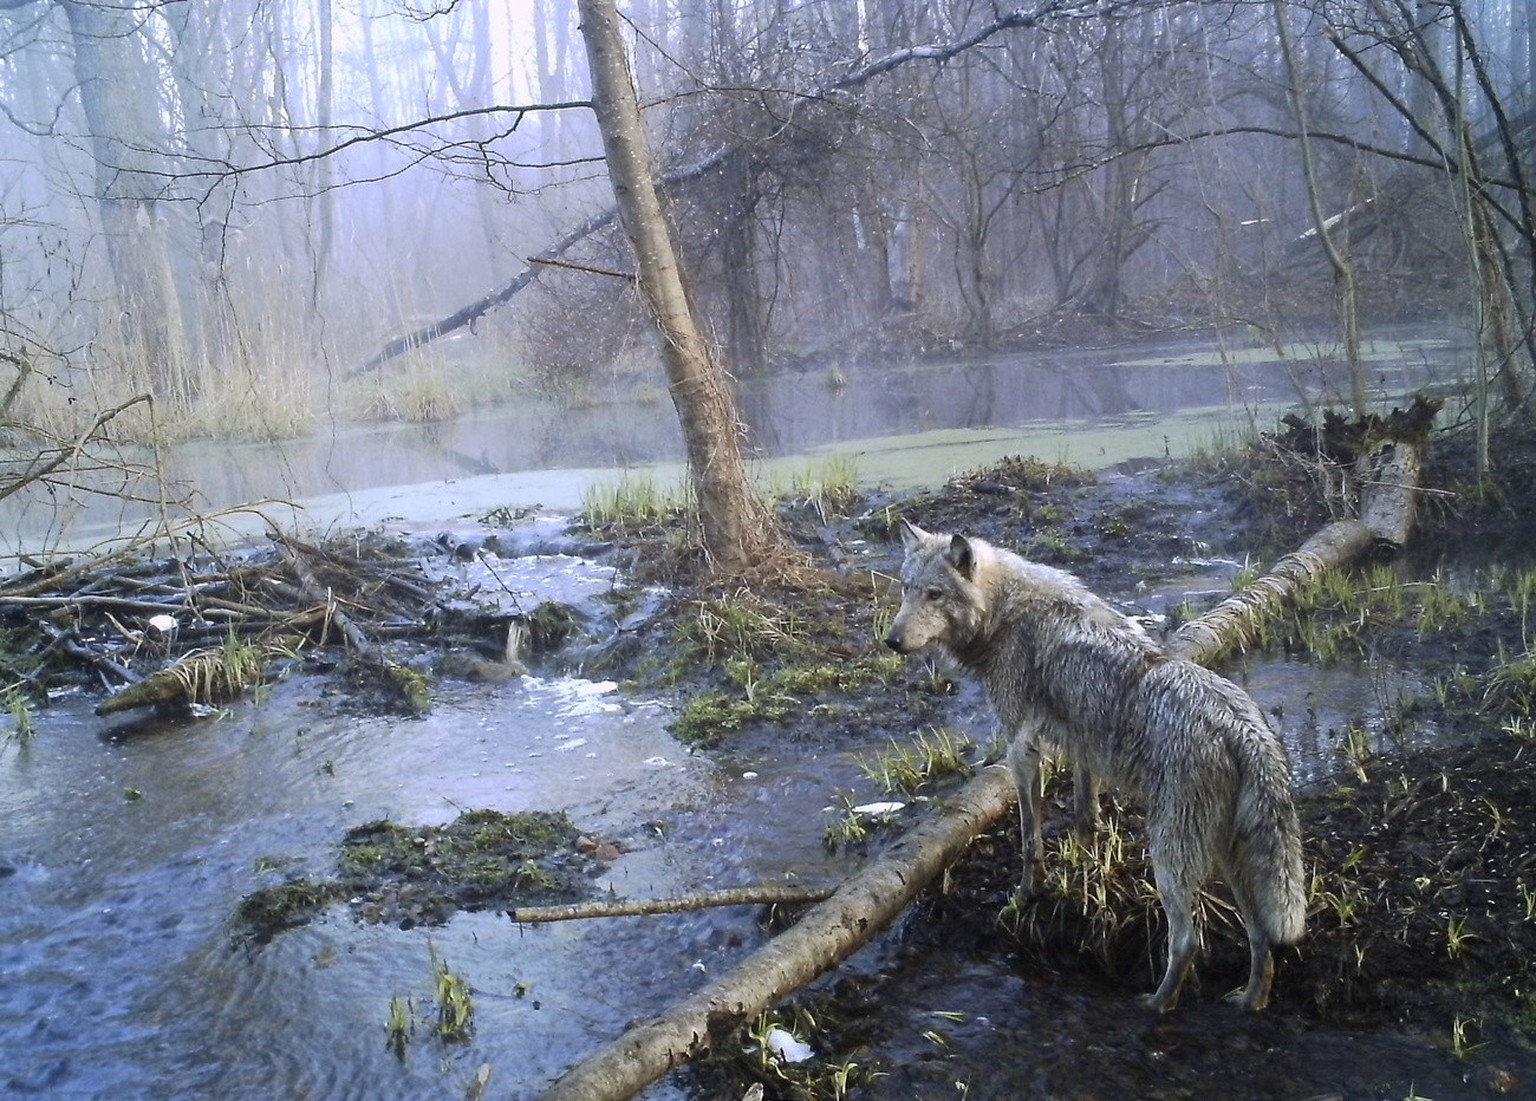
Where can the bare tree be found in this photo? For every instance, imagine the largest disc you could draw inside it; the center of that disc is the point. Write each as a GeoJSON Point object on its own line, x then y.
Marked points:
{"type": "Point", "coordinates": [1493, 215]}
{"type": "Point", "coordinates": [738, 530]}
{"type": "Point", "coordinates": [127, 140]}
{"type": "Point", "coordinates": [1345, 280]}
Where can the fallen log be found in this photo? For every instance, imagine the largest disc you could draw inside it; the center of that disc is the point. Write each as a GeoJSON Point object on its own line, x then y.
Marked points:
{"type": "Point", "coordinates": [1389, 490]}
{"type": "Point", "coordinates": [211, 675]}
{"type": "Point", "coordinates": [826, 935]}
{"type": "Point", "coordinates": [873, 897]}
{"type": "Point", "coordinates": [159, 688]}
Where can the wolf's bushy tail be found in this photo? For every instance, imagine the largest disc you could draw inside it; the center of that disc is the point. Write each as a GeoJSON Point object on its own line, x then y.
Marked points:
{"type": "Point", "coordinates": [1266, 847]}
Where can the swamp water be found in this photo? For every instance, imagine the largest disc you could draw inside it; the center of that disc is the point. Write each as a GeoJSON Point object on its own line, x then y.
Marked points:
{"type": "Point", "coordinates": [124, 853]}
{"type": "Point", "coordinates": [903, 425]}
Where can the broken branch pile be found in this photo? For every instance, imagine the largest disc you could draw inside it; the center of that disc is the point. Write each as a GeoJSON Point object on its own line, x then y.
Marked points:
{"type": "Point", "coordinates": [200, 629]}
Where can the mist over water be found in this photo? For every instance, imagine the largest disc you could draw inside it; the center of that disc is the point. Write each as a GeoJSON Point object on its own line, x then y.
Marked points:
{"type": "Point", "coordinates": [902, 425]}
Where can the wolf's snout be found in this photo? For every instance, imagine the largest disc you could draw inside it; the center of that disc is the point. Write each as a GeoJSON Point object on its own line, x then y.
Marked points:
{"type": "Point", "coordinates": [893, 640]}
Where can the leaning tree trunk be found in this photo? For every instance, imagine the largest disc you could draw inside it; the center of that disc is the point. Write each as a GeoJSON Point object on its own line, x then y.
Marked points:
{"type": "Point", "coordinates": [738, 529]}
{"type": "Point", "coordinates": [873, 897]}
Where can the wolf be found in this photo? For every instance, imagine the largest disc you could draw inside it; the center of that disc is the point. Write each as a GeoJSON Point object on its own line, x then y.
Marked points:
{"type": "Point", "coordinates": [1066, 672]}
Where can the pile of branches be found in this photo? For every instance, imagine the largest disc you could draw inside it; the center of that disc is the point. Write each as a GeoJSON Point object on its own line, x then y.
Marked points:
{"type": "Point", "coordinates": [173, 632]}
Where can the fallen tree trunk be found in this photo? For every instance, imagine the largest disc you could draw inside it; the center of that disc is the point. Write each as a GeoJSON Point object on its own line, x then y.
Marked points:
{"type": "Point", "coordinates": [828, 934]}
{"type": "Point", "coordinates": [1386, 511]}
{"type": "Point", "coordinates": [869, 900]}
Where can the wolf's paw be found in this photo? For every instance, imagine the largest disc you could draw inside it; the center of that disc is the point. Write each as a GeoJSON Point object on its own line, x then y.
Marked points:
{"type": "Point", "coordinates": [1152, 1003]}
{"type": "Point", "coordinates": [1241, 999]}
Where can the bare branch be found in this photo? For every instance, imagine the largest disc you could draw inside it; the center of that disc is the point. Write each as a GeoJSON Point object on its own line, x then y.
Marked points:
{"type": "Point", "coordinates": [772, 895]}
{"type": "Point", "coordinates": [71, 451]}
{"type": "Point", "coordinates": [831, 93]}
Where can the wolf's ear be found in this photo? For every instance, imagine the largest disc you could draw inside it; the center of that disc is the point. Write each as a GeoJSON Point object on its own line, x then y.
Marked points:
{"type": "Point", "coordinates": [911, 535]}
{"type": "Point", "coordinates": [961, 556]}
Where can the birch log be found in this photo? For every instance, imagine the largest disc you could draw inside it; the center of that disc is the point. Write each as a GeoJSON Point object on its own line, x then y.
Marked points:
{"type": "Point", "coordinates": [828, 934]}
{"type": "Point", "coordinates": [870, 899]}
{"type": "Point", "coordinates": [1386, 519]}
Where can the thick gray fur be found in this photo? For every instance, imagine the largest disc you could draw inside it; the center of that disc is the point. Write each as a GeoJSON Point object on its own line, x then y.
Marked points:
{"type": "Point", "coordinates": [1066, 672]}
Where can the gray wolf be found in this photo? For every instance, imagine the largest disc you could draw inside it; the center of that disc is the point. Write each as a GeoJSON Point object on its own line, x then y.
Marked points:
{"type": "Point", "coordinates": [1066, 672]}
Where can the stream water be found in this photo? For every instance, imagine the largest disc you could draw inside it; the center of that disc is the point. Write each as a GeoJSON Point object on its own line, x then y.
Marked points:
{"type": "Point", "coordinates": [124, 851]}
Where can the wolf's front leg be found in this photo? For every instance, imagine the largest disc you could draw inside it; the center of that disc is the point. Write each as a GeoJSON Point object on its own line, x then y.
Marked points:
{"type": "Point", "coordinates": [1024, 763]}
{"type": "Point", "coordinates": [1085, 802]}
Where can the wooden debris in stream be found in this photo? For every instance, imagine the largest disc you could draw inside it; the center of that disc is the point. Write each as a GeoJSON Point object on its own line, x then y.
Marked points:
{"type": "Point", "coordinates": [170, 633]}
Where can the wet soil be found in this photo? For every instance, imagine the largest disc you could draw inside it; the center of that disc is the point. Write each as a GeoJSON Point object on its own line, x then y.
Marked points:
{"type": "Point", "coordinates": [1422, 930]}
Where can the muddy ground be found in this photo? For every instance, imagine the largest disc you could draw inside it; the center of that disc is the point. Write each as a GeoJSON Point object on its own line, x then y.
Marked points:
{"type": "Point", "coordinates": [1422, 928]}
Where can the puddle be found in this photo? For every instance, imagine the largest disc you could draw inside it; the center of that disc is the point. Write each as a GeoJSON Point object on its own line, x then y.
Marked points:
{"type": "Point", "coordinates": [1327, 714]}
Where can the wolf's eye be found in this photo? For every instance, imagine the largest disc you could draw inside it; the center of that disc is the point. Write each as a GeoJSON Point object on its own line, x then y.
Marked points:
{"type": "Point", "coordinates": [934, 594]}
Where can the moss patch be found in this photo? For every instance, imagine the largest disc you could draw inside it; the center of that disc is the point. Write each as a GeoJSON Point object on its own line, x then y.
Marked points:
{"type": "Point", "coordinates": [412, 875]}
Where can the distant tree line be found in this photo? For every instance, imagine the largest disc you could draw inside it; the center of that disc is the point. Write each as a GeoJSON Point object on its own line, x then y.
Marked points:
{"type": "Point", "coordinates": [195, 196]}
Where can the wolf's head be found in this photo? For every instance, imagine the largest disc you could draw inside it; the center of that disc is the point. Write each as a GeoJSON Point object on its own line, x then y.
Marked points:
{"type": "Point", "coordinates": [941, 601]}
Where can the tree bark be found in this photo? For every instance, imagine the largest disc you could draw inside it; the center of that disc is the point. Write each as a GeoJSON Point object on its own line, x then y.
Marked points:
{"type": "Point", "coordinates": [738, 530]}
{"type": "Point", "coordinates": [771, 895]}
{"type": "Point", "coordinates": [869, 900]}
{"type": "Point", "coordinates": [127, 143]}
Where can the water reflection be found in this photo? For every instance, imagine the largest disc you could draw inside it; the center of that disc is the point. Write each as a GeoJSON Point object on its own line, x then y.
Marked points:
{"type": "Point", "coordinates": [873, 410]}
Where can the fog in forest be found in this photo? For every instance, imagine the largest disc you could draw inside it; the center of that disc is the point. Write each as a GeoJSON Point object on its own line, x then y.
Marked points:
{"type": "Point", "coordinates": [236, 221]}
{"type": "Point", "coordinates": [364, 265]}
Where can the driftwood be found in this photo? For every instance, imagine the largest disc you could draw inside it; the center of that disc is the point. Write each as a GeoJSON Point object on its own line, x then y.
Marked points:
{"type": "Point", "coordinates": [1388, 491]}
{"type": "Point", "coordinates": [875, 896]}
{"type": "Point", "coordinates": [826, 935]}
{"type": "Point", "coordinates": [771, 895]}
{"type": "Point", "coordinates": [312, 591]}
{"type": "Point", "coordinates": [161, 687]}
{"type": "Point", "coordinates": [206, 676]}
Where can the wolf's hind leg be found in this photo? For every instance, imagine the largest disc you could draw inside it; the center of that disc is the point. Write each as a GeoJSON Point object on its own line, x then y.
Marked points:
{"type": "Point", "coordinates": [1183, 939]}
{"type": "Point", "coordinates": [1085, 802]}
{"type": "Point", "coordinates": [1261, 961]}
{"type": "Point", "coordinates": [1024, 763]}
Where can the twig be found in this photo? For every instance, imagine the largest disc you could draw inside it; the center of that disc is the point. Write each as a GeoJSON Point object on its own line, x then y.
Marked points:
{"type": "Point", "coordinates": [590, 269]}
